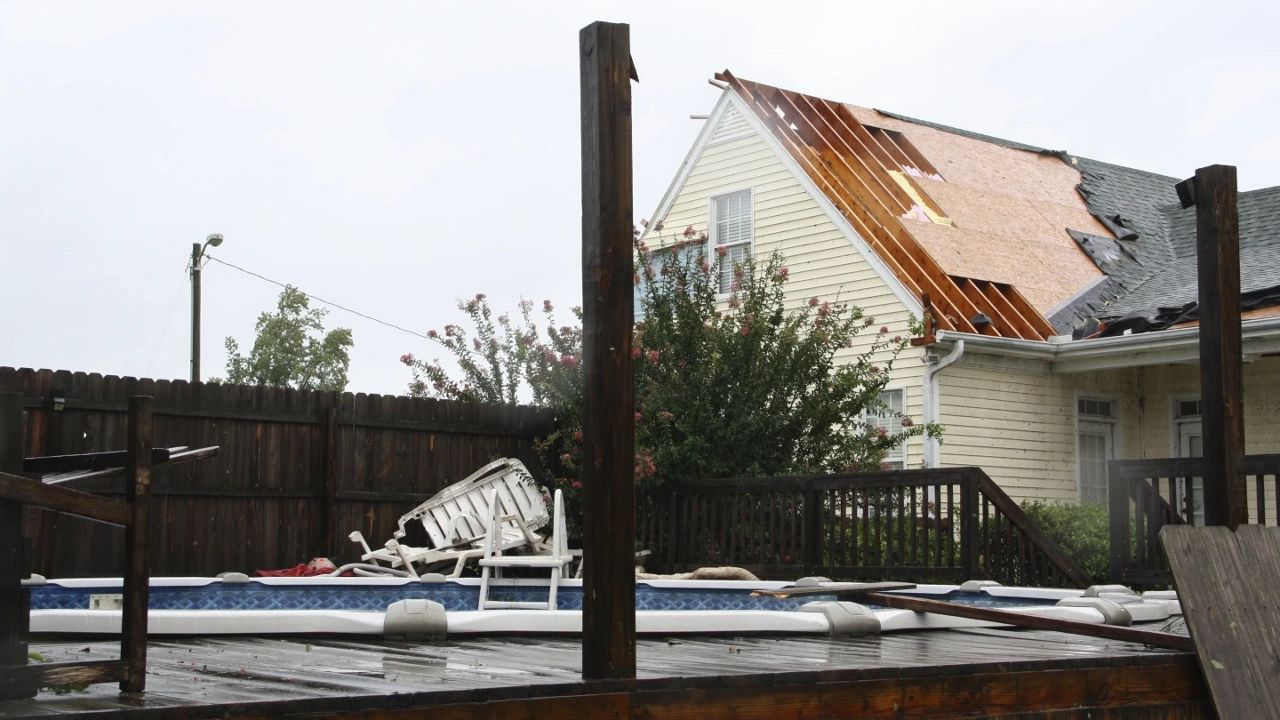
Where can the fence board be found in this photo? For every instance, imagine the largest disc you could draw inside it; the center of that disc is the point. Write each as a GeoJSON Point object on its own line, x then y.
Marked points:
{"type": "Point", "coordinates": [260, 501]}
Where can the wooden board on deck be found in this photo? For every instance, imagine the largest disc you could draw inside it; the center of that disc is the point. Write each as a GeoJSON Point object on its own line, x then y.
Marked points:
{"type": "Point", "coordinates": [1227, 583]}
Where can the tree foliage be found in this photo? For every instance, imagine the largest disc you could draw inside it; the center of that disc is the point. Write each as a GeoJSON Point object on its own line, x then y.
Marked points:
{"type": "Point", "coordinates": [291, 349]}
{"type": "Point", "coordinates": [744, 385]}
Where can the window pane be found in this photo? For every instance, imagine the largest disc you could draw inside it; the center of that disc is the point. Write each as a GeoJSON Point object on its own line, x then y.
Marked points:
{"type": "Point", "coordinates": [1093, 468]}
{"type": "Point", "coordinates": [734, 255]}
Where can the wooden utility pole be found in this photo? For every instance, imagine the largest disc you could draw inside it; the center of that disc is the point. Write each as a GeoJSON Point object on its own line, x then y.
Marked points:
{"type": "Point", "coordinates": [1213, 192]}
{"type": "Point", "coordinates": [608, 406]}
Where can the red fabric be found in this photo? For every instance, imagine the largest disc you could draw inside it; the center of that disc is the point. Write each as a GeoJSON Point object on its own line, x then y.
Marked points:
{"type": "Point", "coordinates": [299, 570]}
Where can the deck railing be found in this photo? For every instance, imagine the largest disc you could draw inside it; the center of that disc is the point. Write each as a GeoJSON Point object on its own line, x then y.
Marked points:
{"type": "Point", "coordinates": [1146, 495]}
{"type": "Point", "coordinates": [944, 525]}
{"type": "Point", "coordinates": [18, 677]}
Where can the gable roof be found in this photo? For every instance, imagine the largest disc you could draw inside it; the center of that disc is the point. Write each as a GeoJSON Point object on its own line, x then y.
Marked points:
{"type": "Point", "coordinates": [1039, 241]}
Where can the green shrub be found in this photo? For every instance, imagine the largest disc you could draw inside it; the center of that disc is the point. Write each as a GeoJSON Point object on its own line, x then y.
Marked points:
{"type": "Point", "coordinates": [1081, 530]}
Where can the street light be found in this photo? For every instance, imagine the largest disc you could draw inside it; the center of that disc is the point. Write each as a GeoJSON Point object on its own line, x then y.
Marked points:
{"type": "Point", "coordinates": [197, 254]}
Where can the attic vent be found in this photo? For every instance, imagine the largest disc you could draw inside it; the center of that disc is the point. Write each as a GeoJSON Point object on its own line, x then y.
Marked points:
{"type": "Point", "coordinates": [1188, 408]}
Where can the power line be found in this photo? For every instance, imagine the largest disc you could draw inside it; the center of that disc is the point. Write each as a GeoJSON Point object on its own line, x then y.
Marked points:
{"type": "Point", "coordinates": [318, 299]}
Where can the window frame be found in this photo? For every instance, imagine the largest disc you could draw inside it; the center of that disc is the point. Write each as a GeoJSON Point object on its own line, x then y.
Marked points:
{"type": "Point", "coordinates": [901, 450]}
{"type": "Point", "coordinates": [713, 240]}
{"type": "Point", "coordinates": [1107, 426]}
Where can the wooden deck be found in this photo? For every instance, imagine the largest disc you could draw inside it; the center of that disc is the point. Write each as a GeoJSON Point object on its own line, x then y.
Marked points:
{"type": "Point", "coordinates": [925, 674]}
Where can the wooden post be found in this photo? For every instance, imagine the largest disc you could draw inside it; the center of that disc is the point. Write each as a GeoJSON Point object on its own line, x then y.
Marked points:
{"type": "Point", "coordinates": [608, 423]}
{"type": "Point", "coordinates": [811, 529]}
{"type": "Point", "coordinates": [1118, 512]}
{"type": "Point", "coordinates": [1213, 192]}
{"type": "Point", "coordinates": [133, 639]}
{"type": "Point", "coordinates": [13, 630]}
{"type": "Point", "coordinates": [969, 526]}
{"type": "Point", "coordinates": [330, 509]}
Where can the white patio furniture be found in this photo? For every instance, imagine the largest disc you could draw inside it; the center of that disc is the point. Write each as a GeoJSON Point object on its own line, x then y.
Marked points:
{"type": "Point", "coordinates": [555, 557]}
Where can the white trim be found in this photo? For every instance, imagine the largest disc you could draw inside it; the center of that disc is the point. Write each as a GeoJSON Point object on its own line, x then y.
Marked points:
{"type": "Point", "coordinates": [1181, 345]}
{"type": "Point", "coordinates": [730, 97]}
{"type": "Point", "coordinates": [1175, 425]}
{"type": "Point", "coordinates": [899, 290]}
{"type": "Point", "coordinates": [711, 244]}
{"type": "Point", "coordinates": [690, 159]}
{"type": "Point", "coordinates": [902, 448]}
{"type": "Point", "coordinates": [932, 404]}
{"type": "Point", "coordinates": [1112, 422]}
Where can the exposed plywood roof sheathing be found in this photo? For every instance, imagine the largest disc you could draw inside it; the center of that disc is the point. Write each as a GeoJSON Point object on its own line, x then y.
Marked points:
{"type": "Point", "coordinates": [854, 165]}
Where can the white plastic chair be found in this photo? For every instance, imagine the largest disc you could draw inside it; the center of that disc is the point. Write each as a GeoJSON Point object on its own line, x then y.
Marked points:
{"type": "Point", "coordinates": [454, 520]}
{"type": "Point", "coordinates": [556, 556]}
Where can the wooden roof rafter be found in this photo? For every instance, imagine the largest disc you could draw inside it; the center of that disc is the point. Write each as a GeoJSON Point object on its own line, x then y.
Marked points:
{"type": "Point", "coordinates": [847, 162]}
{"type": "Point", "coordinates": [871, 228]}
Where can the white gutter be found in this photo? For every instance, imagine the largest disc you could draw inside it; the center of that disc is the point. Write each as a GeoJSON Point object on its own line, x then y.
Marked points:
{"type": "Point", "coordinates": [932, 406]}
{"type": "Point", "coordinates": [1182, 345]}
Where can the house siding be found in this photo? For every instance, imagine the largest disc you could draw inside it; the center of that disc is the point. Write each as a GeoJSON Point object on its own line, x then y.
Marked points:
{"type": "Point", "coordinates": [822, 261]}
{"type": "Point", "coordinates": [1017, 421]}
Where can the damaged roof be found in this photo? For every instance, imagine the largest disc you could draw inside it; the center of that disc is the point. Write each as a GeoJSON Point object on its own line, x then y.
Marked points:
{"type": "Point", "coordinates": [1038, 241]}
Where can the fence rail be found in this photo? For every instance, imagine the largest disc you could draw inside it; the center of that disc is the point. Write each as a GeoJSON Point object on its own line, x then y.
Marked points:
{"type": "Point", "coordinates": [944, 525]}
{"type": "Point", "coordinates": [297, 470]}
{"type": "Point", "coordinates": [1146, 495]}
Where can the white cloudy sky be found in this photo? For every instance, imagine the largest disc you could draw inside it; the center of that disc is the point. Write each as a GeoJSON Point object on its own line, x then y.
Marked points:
{"type": "Point", "coordinates": [394, 157]}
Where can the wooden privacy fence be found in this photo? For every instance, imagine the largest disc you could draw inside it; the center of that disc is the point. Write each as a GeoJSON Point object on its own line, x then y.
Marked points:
{"type": "Point", "coordinates": [296, 472]}
{"type": "Point", "coordinates": [944, 525]}
{"type": "Point", "coordinates": [1146, 495]}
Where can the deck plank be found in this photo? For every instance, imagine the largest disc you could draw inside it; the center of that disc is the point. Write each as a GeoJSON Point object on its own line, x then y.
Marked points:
{"type": "Point", "coordinates": [239, 671]}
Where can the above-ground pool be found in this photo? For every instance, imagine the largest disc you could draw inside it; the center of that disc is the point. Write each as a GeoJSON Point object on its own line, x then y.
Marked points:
{"type": "Point", "coordinates": [235, 605]}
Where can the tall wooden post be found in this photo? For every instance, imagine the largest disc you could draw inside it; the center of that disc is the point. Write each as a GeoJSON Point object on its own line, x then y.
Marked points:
{"type": "Point", "coordinates": [13, 626]}
{"type": "Point", "coordinates": [1213, 192]}
{"type": "Point", "coordinates": [137, 575]}
{"type": "Point", "coordinates": [608, 422]}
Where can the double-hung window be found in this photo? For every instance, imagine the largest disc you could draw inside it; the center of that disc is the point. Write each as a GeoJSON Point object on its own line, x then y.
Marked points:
{"type": "Point", "coordinates": [888, 417]}
{"type": "Point", "coordinates": [731, 233]}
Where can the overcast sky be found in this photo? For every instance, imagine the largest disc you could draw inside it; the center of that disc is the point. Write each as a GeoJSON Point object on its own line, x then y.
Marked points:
{"type": "Point", "coordinates": [395, 157]}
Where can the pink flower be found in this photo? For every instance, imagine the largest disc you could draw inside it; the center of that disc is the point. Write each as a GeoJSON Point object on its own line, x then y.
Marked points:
{"type": "Point", "coordinates": [475, 342]}
{"type": "Point", "coordinates": [884, 330]}
{"type": "Point", "coordinates": [658, 227]}
{"type": "Point", "coordinates": [407, 358]}
{"type": "Point", "coordinates": [897, 338]}
{"type": "Point", "coordinates": [480, 297]}
{"type": "Point", "coordinates": [688, 231]}
{"type": "Point", "coordinates": [781, 273]}
{"type": "Point", "coordinates": [653, 357]}
{"type": "Point", "coordinates": [577, 435]}
{"type": "Point", "coordinates": [704, 266]}
{"type": "Point", "coordinates": [813, 302]}
{"type": "Point", "coordinates": [638, 416]}
{"type": "Point", "coordinates": [569, 361]}
{"type": "Point", "coordinates": [746, 329]}
{"type": "Point", "coordinates": [907, 422]}
{"type": "Point", "coordinates": [576, 484]}
{"type": "Point", "coordinates": [546, 306]}
{"type": "Point", "coordinates": [433, 334]}
{"type": "Point", "coordinates": [635, 351]}
{"type": "Point", "coordinates": [665, 416]}
{"type": "Point", "coordinates": [868, 322]}
{"type": "Point", "coordinates": [721, 250]}
{"type": "Point", "coordinates": [824, 310]}
{"type": "Point", "coordinates": [566, 458]}
{"type": "Point", "coordinates": [734, 303]}
{"type": "Point", "coordinates": [548, 355]}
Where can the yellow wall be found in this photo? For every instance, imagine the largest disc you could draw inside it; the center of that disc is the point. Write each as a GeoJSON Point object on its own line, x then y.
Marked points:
{"type": "Point", "coordinates": [1018, 422]}
{"type": "Point", "coordinates": [821, 260]}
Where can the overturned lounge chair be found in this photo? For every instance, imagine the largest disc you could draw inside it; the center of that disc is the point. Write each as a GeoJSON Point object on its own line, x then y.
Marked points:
{"type": "Point", "coordinates": [456, 519]}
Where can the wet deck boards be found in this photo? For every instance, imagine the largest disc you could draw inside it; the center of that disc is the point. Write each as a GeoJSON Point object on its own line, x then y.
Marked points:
{"type": "Point", "coordinates": [236, 676]}
{"type": "Point", "coordinates": [1227, 584]}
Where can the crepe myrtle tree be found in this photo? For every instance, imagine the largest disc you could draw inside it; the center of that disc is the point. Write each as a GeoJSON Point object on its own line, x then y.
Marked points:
{"type": "Point", "coordinates": [734, 385]}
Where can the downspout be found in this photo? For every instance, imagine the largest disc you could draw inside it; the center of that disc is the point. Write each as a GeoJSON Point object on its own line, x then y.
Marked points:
{"type": "Point", "coordinates": [932, 406]}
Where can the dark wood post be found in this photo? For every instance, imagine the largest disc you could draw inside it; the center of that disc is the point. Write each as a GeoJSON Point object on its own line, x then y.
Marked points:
{"type": "Point", "coordinates": [330, 524]}
{"type": "Point", "coordinates": [810, 529]}
{"type": "Point", "coordinates": [608, 424]}
{"type": "Point", "coordinates": [13, 628]}
{"type": "Point", "coordinates": [1118, 513]}
{"type": "Point", "coordinates": [1213, 192]}
{"type": "Point", "coordinates": [969, 526]}
{"type": "Point", "coordinates": [133, 639]}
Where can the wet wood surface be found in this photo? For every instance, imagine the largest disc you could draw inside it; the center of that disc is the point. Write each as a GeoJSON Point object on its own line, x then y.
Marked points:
{"type": "Point", "coordinates": [1227, 584]}
{"type": "Point", "coordinates": [1002, 670]}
